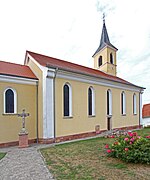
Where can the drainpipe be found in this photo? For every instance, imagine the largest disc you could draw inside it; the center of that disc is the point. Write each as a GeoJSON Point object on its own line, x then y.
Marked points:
{"type": "Point", "coordinates": [54, 103]}
{"type": "Point", "coordinates": [140, 106]}
{"type": "Point", "coordinates": [37, 131]}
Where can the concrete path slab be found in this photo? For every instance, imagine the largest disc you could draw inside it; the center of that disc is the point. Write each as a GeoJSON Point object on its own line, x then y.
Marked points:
{"type": "Point", "coordinates": [23, 164]}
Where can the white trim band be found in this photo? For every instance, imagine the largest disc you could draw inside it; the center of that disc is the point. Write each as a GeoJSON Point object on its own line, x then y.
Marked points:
{"type": "Point", "coordinates": [18, 80]}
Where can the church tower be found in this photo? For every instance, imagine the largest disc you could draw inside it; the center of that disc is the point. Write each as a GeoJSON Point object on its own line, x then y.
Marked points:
{"type": "Point", "coordinates": [105, 55]}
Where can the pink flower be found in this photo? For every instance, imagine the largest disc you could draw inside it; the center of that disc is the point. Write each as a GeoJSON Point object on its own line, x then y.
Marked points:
{"type": "Point", "coordinates": [138, 137]}
{"type": "Point", "coordinates": [134, 134]}
{"type": "Point", "coordinates": [108, 150]}
{"type": "Point", "coordinates": [106, 146]}
{"type": "Point", "coordinates": [148, 137]}
{"type": "Point", "coordinates": [112, 136]}
{"type": "Point", "coordinates": [115, 143]}
{"type": "Point", "coordinates": [126, 149]}
{"type": "Point", "coordinates": [126, 139]}
{"type": "Point", "coordinates": [130, 134]}
{"type": "Point", "coordinates": [132, 139]}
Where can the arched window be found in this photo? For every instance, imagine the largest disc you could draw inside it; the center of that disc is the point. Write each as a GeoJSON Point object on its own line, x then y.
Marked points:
{"type": "Point", "coordinates": [111, 58]}
{"type": "Point", "coordinates": [91, 102]}
{"type": "Point", "coordinates": [67, 95]}
{"type": "Point", "coordinates": [100, 61]}
{"type": "Point", "coordinates": [134, 103]}
{"type": "Point", "coordinates": [123, 103]}
{"type": "Point", "coordinates": [109, 102]}
{"type": "Point", "coordinates": [10, 101]}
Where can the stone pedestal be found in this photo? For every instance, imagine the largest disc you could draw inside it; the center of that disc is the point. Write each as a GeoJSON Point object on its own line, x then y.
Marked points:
{"type": "Point", "coordinates": [23, 140]}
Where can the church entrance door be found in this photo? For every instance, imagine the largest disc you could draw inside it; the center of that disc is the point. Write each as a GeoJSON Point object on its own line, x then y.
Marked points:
{"type": "Point", "coordinates": [109, 124]}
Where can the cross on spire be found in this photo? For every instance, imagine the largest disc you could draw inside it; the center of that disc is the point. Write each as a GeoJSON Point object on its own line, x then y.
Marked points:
{"type": "Point", "coordinates": [104, 41]}
{"type": "Point", "coordinates": [103, 18]}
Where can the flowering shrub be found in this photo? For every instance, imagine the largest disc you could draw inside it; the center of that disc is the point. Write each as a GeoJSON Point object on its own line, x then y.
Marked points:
{"type": "Point", "coordinates": [130, 148]}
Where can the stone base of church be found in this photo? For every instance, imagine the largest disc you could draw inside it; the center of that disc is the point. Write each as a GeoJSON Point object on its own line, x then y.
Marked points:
{"type": "Point", "coordinates": [82, 135]}
{"type": "Point", "coordinates": [66, 138]}
{"type": "Point", "coordinates": [16, 143]}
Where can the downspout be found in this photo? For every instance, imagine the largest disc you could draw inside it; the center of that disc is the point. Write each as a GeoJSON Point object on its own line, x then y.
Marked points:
{"type": "Point", "coordinates": [55, 103]}
{"type": "Point", "coordinates": [139, 108]}
{"type": "Point", "coordinates": [37, 129]}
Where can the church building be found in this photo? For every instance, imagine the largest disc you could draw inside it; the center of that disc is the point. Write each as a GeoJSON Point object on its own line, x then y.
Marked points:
{"type": "Point", "coordinates": [66, 100]}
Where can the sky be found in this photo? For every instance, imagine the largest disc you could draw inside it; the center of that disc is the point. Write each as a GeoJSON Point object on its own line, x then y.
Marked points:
{"type": "Point", "coordinates": [71, 30]}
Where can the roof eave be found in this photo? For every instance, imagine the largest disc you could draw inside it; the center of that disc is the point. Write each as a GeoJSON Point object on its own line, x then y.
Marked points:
{"type": "Point", "coordinates": [96, 76]}
{"type": "Point", "coordinates": [102, 48]}
{"type": "Point", "coordinates": [13, 75]}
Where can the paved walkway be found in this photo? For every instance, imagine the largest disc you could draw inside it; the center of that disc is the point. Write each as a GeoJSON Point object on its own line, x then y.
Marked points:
{"type": "Point", "coordinates": [27, 163]}
{"type": "Point", "coordinates": [23, 164]}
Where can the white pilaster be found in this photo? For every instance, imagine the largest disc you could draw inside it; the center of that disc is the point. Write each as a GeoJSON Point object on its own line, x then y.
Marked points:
{"type": "Point", "coordinates": [50, 107]}
{"type": "Point", "coordinates": [48, 104]}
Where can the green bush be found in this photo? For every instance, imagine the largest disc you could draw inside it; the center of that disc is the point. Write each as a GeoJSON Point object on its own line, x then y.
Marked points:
{"type": "Point", "coordinates": [130, 148]}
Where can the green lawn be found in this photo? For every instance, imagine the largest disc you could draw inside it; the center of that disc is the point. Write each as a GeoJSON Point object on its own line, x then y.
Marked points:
{"type": "Point", "coordinates": [144, 132]}
{"type": "Point", "coordinates": [86, 160]}
{"type": "Point", "coordinates": [2, 155]}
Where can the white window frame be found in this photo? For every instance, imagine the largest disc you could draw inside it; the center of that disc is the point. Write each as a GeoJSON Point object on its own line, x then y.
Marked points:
{"type": "Point", "coordinates": [93, 101]}
{"type": "Point", "coordinates": [15, 100]}
{"type": "Point", "coordinates": [110, 102]}
{"type": "Point", "coordinates": [123, 103]}
{"type": "Point", "coordinates": [134, 104]}
{"type": "Point", "coordinates": [70, 99]}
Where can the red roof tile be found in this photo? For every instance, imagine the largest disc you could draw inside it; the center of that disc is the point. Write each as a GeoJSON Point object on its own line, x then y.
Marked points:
{"type": "Point", "coordinates": [146, 110]}
{"type": "Point", "coordinates": [50, 61]}
{"type": "Point", "coordinates": [11, 69]}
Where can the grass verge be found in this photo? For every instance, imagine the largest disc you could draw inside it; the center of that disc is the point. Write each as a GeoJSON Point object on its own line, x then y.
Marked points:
{"type": "Point", "coordinates": [2, 155]}
{"type": "Point", "coordinates": [87, 160]}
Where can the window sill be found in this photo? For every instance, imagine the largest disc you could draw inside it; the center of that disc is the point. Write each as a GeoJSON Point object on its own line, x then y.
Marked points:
{"type": "Point", "coordinates": [134, 114]}
{"type": "Point", "coordinates": [67, 117]}
{"type": "Point", "coordinates": [123, 114]}
{"type": "Point", "coordinates": [10, 114]}
{"type": "Point", "coordinates": [90, 116]}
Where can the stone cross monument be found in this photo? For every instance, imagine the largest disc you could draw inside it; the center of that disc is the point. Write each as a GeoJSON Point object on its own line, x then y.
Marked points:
{"type": "Point", "coordinates": [23, 135]}
{"type": "Point", "coordinates": [23, 115]}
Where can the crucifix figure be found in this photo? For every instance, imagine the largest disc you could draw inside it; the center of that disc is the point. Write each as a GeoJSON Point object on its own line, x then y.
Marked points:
{"type": "Point", "coordinates": [23, 115]}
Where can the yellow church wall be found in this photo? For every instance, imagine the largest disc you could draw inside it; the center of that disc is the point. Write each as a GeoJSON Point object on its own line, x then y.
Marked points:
{"type": "Point", "coordinates": [10, 124]}
{"type": "Point", "coordinates": [39, 74]}
{"type": "Point", "coordinates": [129, 119]}
{"type": "Point", "coordinates": [80, 122]}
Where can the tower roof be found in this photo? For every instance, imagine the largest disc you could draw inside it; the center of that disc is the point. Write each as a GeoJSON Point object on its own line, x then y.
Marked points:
{"type": "Point", "coordinates": [104, 39]}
